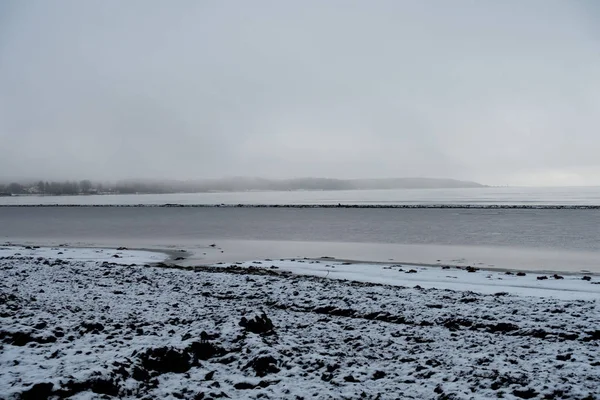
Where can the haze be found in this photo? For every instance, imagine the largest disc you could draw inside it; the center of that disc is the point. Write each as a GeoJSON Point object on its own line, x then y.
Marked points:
{"type": "Point", "coordinates": [495, 92]}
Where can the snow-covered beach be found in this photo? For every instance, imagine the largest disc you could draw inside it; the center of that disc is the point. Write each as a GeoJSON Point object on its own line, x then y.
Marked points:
{"type": "Point", "coordinates": [92, 323]}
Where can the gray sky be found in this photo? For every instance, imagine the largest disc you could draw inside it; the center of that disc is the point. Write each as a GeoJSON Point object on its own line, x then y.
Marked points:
{"type": "Point", "coordinates": [501, 92]}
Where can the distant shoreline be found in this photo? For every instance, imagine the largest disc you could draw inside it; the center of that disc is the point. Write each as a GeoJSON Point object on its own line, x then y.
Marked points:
{"type": "Point", "coordinates": [361, 206]}
{"type": "Point", "coordinates": [158, 193]}
{"type": "Point", "coordinates": [227, 185]}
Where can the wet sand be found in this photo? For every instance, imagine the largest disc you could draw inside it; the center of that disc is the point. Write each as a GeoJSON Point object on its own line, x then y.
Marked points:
{"type": "Point", "coordinates": [203, 253]}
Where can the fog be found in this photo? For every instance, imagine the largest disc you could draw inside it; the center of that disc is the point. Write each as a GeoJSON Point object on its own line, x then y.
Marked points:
{"type": "Point", "coordinates": [503, 93]}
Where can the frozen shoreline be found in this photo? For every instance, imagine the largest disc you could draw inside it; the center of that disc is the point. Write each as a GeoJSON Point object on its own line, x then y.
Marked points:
{"type": "Point", "coordinates": [465, 279]}
{"type": "Point", "coordinates": [200, 252]}
{"type": "Point", "coordinates": [120, 255]}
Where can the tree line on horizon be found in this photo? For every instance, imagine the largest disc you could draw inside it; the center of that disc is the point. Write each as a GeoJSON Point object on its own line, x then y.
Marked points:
{"type": "Point", "coordinates": [51, 188]}
{"type": "Point", "coordinates": [224, 185]}
{"type": "Point", "coordinates": [84, 187]}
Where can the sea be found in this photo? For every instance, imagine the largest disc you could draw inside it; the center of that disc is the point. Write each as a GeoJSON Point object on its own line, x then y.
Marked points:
{"type": "Point", "coordinates": [509, 228]}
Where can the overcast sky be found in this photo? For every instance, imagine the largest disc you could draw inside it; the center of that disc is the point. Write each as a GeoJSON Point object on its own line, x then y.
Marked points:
{"type": "Point", "coordinates": [500, 92]}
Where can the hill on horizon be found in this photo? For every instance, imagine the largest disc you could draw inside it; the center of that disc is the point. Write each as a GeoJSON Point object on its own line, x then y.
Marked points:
{"type": "Point", "coordinates": [231, 184]}
{"type": "Point", "coordinates": [242, 184]}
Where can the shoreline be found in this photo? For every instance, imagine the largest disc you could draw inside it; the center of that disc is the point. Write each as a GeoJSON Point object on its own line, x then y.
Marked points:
{"type": "Point", "coordinates": [573, 285]}
{"type": "Point", "coordinates": [327, 206]}
{"type": "Point", "coordinates": [458, 266]}
{"type": "Point", "coordinates": [493, 259]}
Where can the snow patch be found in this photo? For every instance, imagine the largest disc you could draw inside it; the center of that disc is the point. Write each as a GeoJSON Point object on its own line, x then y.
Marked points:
{"type": "Point", "coordinates": [551, 284]}
{"type": "Point", "coordinates": [120, 255]}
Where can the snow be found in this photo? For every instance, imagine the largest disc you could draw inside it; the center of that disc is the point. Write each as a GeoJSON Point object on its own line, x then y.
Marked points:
{"type": "Point", "coordinates": [122, 255]}
{"type": "Point", "coordinates": [567, 286]}
{"type": "Point", "coordinates": [86, 325]}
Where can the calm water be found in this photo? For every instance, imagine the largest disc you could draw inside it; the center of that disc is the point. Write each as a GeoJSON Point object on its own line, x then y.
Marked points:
{"type": "Point", "coordinates": [477, 196]}
{"type": "Point", "coordinates": [567, 239]}
{"type": "Point", "coordinates": [550, 229]}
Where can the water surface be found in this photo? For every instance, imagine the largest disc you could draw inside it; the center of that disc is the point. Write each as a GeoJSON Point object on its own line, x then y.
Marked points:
{"type": "Point", "coordinates": [553, 239]}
